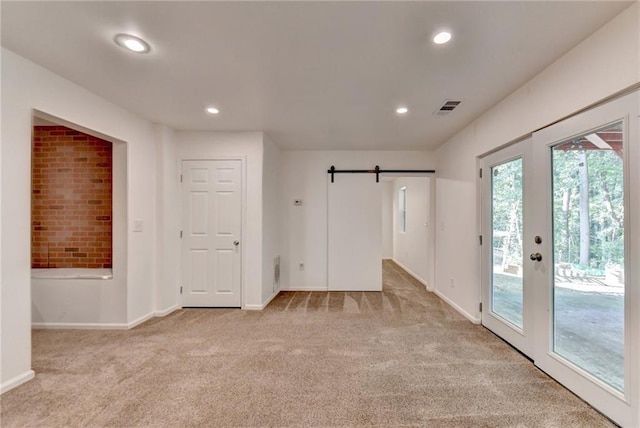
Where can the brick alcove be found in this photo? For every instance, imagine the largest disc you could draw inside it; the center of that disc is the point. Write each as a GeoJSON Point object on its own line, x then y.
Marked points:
{"type": "Point", "coordinates": [72, 186]}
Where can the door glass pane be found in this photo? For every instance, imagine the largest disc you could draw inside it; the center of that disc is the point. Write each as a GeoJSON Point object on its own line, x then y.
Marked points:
{"type": "Point", "coordinates": [588, 253]}
{"type": "Point", "coordinates": [506, 241]}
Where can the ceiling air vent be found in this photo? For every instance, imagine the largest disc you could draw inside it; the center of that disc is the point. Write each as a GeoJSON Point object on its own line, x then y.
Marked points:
{"type": "Point", "coordinates": [447, 107]}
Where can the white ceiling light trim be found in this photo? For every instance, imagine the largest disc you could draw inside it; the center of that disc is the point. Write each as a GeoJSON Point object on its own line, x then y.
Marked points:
{"type": "Point", "coordinates": [132, 43]}
{"type": "Point", "coordinates": [442, 38]}
{"type": "Point", "coordinates": [212, 110]}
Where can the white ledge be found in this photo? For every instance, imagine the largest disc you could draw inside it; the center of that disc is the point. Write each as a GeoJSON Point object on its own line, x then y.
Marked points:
{"type": "Point", "coordinates": [71, 273]}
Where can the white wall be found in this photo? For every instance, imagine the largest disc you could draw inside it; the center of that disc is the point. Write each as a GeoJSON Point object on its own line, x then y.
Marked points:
{"type": "Point", "coordinates": [304, 228]}
{"type": "Point", "coordinates": [168, 247]}
{"type": "Point", "coordinates": [412, 249]}
{"type": "Point", "coordinates": [249, 146]}
{"type": "Point", "coordinates": [270, 216]}
{"type": "Point", "coordinates": [387, 219]}
{"type": "Point", "coordinates": [605, 63]}
{"type": "Point", "coordinates": [26, 86]}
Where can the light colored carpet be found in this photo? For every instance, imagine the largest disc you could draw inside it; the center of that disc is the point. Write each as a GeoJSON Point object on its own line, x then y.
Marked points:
{"type": "Point", "coordinates": [401, 357]}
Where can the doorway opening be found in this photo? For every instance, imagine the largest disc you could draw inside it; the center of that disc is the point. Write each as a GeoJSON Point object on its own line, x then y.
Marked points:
{"type": "Point", "coordinates": [407, 234]}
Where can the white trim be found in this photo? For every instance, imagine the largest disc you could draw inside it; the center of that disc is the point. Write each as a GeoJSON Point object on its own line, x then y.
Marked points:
{"type": "Point", "coordinates": [244, 268]}
{"type": "Point", "coordinates": [17, 381]}
{"type": "Point", "coordinates": [79, 326]}
{"type": "Point", "coordinates": [273, 296]}
{"type": "Point", "coordinates": [464, 313]}
{"type": "Point", "coordinates": [305, 289]}
{"type": "Point", "coordinates": [388, 258]}
{"type": "Point", "coordinates": [102, 326]}
{"type": "Point", "coordinates": [262, 306]}
{"type": "Point", "coordinates": [71, 273]}
{"type": "Point", "coordinates": [413, 274]}
{"type": "Point", "coordinates": [140, 320]}
{"type": "Point", "coordinates": [165, 312]}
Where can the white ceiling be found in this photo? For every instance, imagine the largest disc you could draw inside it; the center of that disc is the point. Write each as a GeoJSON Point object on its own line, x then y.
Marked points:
{"type": "Point", "coordinates": [313, 75]}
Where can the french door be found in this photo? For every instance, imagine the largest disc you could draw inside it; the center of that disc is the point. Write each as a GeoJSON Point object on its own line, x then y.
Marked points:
{"type": "Point", "coordinates": [560, 266]}
{"type": "Point", "coordinates": [506, 295]}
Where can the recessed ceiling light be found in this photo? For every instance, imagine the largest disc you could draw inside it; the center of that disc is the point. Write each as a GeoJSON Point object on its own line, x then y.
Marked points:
{"type": "Point", "coordinates": [212, 110]}
{"type": "Point", "coordinates": [442, 37]}
{"type": "Point", "coordinates": [132, 43]}
{"type": "Point", "coordinates": [402, 110]}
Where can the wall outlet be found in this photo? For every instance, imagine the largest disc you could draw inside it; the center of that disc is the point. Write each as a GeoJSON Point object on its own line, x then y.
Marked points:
{"type": "Point", "coordinates": [452, 283]}
{"type": "Point", "coordinates": [301, 265]}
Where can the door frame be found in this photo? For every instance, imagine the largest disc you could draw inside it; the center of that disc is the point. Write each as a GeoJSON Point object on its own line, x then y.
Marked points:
{"type": "Point", "coordinates": [243, 222]}
{"type": "Point", "coordinates": [522, 339]}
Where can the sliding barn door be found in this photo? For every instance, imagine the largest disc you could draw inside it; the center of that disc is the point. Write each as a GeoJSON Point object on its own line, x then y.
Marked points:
{"type": "Point", "coordinates": [355, 233]}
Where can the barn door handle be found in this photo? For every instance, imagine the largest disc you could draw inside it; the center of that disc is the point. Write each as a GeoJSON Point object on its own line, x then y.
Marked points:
{"type": "Point", "coordinates": [236, 243]}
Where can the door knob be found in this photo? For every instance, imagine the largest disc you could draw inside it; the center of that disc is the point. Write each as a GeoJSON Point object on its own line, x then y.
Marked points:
{"type": "Point", "coordinates": [536, 257]}
{"type": "Point", "coordinates": [236, 243]}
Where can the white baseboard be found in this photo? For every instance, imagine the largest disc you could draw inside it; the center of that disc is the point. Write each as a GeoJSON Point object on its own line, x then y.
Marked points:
{"type": "Point", "coordinates": [387, 258]}
{"type": "Point", "coordinates": [413, 274]}
{"type": "Point", "coordinates": [140, 320]}
{"type": "Point", "coordinates": [165, 312]}
{"type": "Point", "coordinates": [464, 313]}
{"type": "Point", "coordinates": [17, 381]}
{"type": "Point", "coordinates": [91, 326]}
{"type": "Point", "coordinates": [262, 306]}
{"type": "Point", "coordinates": [79, 326]}
{"type": "Point", "coordinates": [273, 296]}
{"type": "Point", "coordinates": [305, 289]}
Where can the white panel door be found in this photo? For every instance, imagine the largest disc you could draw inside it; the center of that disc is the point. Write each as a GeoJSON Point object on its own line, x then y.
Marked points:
{"type": "Point", "coordinates": [355, 233]}
{"type": "Point", "coordinates": [211, 235]}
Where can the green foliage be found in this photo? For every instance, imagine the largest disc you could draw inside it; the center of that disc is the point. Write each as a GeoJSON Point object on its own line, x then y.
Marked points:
{"type": "Point", "coordinates": [574, 167]}
{"type": "Point", "coordinates": [507, 212]}
{"type": "Point", "coordinates": [606, 206]}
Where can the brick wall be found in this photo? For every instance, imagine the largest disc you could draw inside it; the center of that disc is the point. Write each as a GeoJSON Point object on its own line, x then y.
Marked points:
{"type": "Point", "coordinates": [71, 184]}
